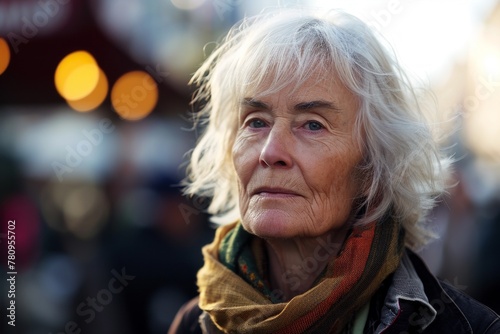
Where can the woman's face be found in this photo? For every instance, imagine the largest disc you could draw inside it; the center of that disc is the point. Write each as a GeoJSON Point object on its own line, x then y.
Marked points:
{"type": "Point", "coordinates": [295, 156]}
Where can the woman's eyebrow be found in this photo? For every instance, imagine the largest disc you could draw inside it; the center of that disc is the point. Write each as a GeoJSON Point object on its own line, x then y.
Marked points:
{"type": "Point", "coordinates": [249, 102]}
{"type": "Point", "coordinates": [316, 104]}
{"type": "Point", "coordinates": [302, 106]}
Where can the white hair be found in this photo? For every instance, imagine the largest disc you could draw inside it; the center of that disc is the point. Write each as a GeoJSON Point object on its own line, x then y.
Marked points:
{"type": "Point", "coordinates": [403, 168]}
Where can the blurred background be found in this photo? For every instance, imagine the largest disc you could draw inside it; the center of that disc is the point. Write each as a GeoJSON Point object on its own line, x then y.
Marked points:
{"type": "Point", "coordinates": [94, 129]}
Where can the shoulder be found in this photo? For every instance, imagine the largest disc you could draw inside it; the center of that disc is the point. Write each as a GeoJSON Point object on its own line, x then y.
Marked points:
{"type": "Point", "coordinates": [480, 317]}
{"type": "Point", "coordinates": [453, 305]}
{"type": "Point", "coordinates": [187, 319]}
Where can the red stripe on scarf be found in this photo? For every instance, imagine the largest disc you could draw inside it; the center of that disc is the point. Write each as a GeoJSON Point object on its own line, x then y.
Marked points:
{"type": "Point", "coordinates": [349, 265]}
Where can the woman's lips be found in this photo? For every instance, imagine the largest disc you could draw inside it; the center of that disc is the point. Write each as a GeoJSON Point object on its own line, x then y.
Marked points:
{"type": "Point", "coordinates": [275, 192]}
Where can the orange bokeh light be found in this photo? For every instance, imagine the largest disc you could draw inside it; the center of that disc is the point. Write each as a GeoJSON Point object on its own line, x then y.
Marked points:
{"type": "Point", "coordinates": [134, 95]}
{"type": "Point", "coordinates": [95, 98]}
{"type": "Point", "coordinates": [4, 55]}
{"type": "Point", "coordinates": [77, 75]}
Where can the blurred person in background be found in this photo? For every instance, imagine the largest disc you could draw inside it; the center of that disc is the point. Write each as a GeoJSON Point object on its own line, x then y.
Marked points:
{"type": "Point", "coordinates": [321, 168]}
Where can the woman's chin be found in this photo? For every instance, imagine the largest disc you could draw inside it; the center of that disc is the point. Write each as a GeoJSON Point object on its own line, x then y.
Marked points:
{"type": "Point", "coordinates": [271, 224]}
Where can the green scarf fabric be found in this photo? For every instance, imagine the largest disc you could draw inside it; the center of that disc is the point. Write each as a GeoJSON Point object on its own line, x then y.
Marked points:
{"type": "Point", "coordinates": [236, 253]}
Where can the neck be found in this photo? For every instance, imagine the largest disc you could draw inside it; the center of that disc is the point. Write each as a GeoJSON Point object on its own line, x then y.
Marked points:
{"type": "Point", "coordinates": [295, 264]}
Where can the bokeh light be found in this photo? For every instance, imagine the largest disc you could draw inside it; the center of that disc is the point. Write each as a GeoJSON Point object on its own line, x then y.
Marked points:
{"type": "Point", "coordinates": [4, 55]}
{"type": "Point", "coordinates": [85, 210]}
{"type": "Point", "coordinates": [134, 95]}
{"type": "Point", "coordinates": [95, 98]}
{"type": "Point", "coordinates": [187, 4]}
{"type": "Point", "coordinates": [80, 208]}
{"type": "Point", "coordinates": [77, 75]}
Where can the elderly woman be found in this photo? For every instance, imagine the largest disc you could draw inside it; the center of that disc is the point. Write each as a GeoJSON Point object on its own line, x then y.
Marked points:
{"type": "Point", "coordinates": [321, 169]}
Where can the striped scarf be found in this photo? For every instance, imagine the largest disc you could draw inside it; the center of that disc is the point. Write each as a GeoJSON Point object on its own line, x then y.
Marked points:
{"type": "Point", "coordinates": [238, 300]}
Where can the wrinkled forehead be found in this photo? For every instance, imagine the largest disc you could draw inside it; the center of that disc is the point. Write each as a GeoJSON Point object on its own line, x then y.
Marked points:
{"type": "Point", "coordinates": [270, 60]}
{"type": "Point", "coordinates": [287, 77]}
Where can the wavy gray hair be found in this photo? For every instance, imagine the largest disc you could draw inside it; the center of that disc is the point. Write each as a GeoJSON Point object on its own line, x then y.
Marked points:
{"type": "Point", "coordinates": [403, 168]}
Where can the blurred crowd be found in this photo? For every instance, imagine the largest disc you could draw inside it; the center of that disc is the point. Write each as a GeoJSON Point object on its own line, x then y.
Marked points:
{"type": "Point", "coordinates": [74, 236]}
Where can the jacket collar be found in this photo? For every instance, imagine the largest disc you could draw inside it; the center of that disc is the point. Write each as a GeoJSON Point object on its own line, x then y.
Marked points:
{"type": "Point", "coordinates": [406, 298]}
{"type": "Point", "coordinates": [415, 301]}
{"type": "Point", "coordinates": [450, 318]}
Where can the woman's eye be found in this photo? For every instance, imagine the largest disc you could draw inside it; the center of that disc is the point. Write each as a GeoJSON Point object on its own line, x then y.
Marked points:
{"type": "Point", "coordinates": [313, 126]}
{"type": "Point", "coordinates": [256, 123]}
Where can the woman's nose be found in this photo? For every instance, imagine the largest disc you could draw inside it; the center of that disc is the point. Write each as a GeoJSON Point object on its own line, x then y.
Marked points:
{"type": "Point", "coordinates": [276, 151]}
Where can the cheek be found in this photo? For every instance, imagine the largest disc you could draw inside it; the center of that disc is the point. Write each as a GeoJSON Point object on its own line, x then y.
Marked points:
{"type": "Point", "coordinates": [245, 160]}
{"type": "Point", "coordinates": [241, 162]}
{"type": "Point", "coordinates": [335, 182]}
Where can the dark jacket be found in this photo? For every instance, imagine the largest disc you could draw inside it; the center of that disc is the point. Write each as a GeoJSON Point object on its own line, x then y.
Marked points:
{"type": "Point", "coordinates": [411, 300]}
